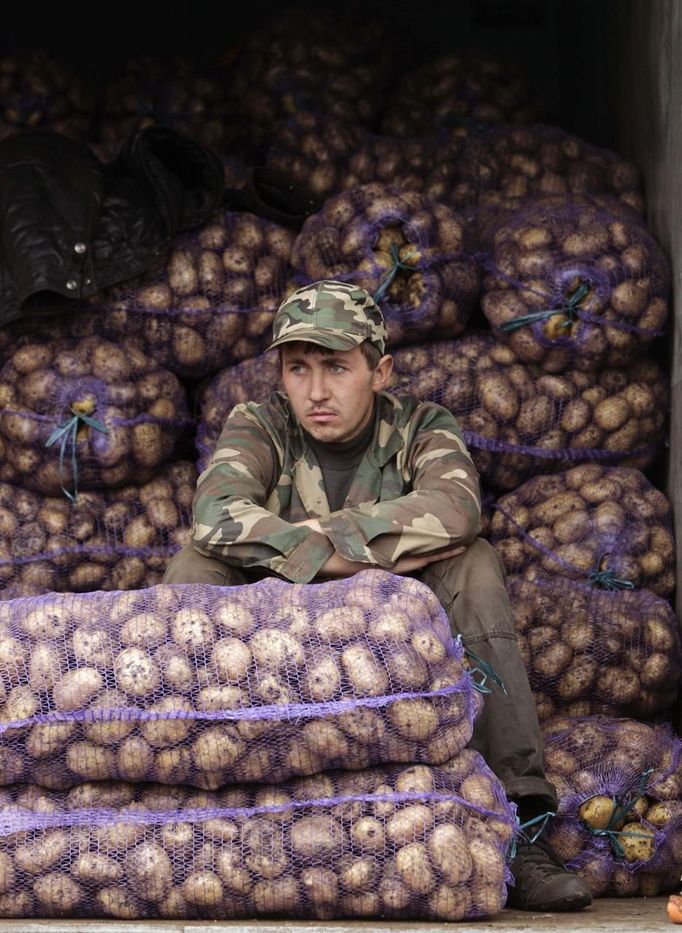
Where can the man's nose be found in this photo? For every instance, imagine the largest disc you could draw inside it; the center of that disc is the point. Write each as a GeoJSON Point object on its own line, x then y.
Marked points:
{"type": "Point", "coordinates": [318, 386]}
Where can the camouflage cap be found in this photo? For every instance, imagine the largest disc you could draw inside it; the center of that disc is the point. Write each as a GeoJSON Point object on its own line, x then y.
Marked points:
{"type": "Point", "coordinates": [336, 315]}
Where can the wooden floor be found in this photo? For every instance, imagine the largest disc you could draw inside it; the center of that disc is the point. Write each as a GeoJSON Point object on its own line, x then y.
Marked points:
{"type": "Point", "coordinates": [628, 915]}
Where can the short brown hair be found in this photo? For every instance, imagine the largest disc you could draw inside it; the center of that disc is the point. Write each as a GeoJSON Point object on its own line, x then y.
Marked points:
{"type": "Point", "coordinates": [371, 353]}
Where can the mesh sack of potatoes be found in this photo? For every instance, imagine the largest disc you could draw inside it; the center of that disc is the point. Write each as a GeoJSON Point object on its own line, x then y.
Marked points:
{"type": "Point", "coordinates": [546, 160]}
{"type": "Point", "coordinates": [211, 685]}
{"type": "Point", "coordinates": [603, 526]}
{"type": "Point", "coordinates": [174, 92]}
{"type": "Point", "coordinates": [405, 250]}
{"type": "Point", "coordinates": [573, 282]}
{"type": "Point", "coordinates": [518, 421]}
{"type": "Point", "coordinates": [465, 88]}
{"type": "Point", "coordinates": [591, 651]}
{"type": "Point", "coordinates": [121, 539]}
{"type": "Point", "coordinates": [328, 156]}
{"type": "Point", "coordinates": [86, 414]}
{"type": "Point", "coordinates": [616, 824]}
{"type": "Point", "coordinates": [417, 842]}
{"type": "Point", "coordinates": [316, 61]}
{"type": "Point", "coordinates": [211, 302]}
{"type": "Point", "coordinates": [39, 92]}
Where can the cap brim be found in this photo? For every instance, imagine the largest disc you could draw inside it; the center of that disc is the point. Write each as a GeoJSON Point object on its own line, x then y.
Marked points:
{"type": "Point", "coordinates": [331, 340]}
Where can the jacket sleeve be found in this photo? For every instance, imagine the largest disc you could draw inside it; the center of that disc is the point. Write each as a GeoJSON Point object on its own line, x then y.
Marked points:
{"type": "Point", "coordinates": [442, 509]}
{"type": "Point", "coordinates": [231, 520]}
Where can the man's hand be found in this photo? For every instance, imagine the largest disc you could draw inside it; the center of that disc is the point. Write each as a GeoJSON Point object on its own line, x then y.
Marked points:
{"type": "Point", "coordinates": [412, 564]}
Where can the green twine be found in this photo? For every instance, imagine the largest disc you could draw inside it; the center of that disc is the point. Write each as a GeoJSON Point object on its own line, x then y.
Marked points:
{"type": "Point", "coordinates": [398, 264]}
{"type": "Point", "coordinates": [67, 433]}
{"type": "Point", "coordinates": [487, 673]}
{"type": "Point", "coordinates": [570, 309]}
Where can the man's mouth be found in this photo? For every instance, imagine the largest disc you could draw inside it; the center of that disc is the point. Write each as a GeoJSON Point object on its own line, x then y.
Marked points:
{"type": "Point", "coordinates": [322, 416]}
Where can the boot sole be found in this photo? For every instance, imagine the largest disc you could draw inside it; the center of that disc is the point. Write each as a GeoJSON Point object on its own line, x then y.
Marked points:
{"type": "Point", "coordinates": [559, 906]}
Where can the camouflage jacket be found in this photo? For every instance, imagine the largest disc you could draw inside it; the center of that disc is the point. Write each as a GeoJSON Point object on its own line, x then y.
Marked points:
{"type": "Point", "coordinates": [414, 492]}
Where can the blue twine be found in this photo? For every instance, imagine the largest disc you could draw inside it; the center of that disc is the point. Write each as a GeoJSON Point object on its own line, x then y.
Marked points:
{"type": "Point", "coordinates": [619, 811]}
{"type": "Point", "coordinates": [398, 264]}
{"type": "Point", "coordinates": [605, 579]}
{"type": "Point", "coordinates": [487, 672]}
{"type": "Point", "coordinates": [521, 833]}
{"type": "Point", "coordinates": [66, 433]}
{"type": "Point", "coordinates": [570, 309]}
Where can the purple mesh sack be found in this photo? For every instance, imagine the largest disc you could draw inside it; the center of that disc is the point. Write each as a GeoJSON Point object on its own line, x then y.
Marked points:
{"type": "Point", "coordinates": [39, 91]}
{"type": "Point", "coordinates": [210, 303]}
{"type": "Point", "coordinates": [418, 842]}
{"type": "Point", "coordinates": [515, 420]}
{"type": "Point", "coordinates": [86, 414]}
{"type": "Point", "coordinates": [172, 91]}
{"type": "Point", "coordinates": [469, 87]}
{"type": "Point", "coordinates": [316, 61]}
{"type": "Point", "coordinates": [592, 651]}
{"type": "Point", "coordinates": [116, 540]}
{"type": "Point", "coordinates": [616, 825]}
{"type": "Point", "coordinates": [210, 685]}
{"type": "Point", "coordinates": [546, 160]}
{"type": "Point", "coordinates": [328, 156]}
{"type": "Point", "coordinates": [405, 250]}
{"type": "Point", "coordinates": [574, 282]}
{"type": "Point", "coordinates": [606, 527]}
{"type": "Point", "coordinates": [518, 421]}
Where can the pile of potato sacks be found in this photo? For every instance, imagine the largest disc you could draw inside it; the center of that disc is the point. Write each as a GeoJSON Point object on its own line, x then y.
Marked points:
{"type": "Point", "coordinates": [354, 794]}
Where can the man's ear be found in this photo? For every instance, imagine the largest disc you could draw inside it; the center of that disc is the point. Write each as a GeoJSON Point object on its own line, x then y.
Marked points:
{"type": "Point", "coordinates": [382, 373]}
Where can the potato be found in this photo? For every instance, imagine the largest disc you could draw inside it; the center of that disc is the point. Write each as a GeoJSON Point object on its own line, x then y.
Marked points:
{"type": "Point", "coordinates": [275, 896]}
{"type": "Point", "coordinates": [341, 623]}
{"type": "Point", "coordinates": [231, 659]}
{"type": "Point", "coordinates": [409, 822]}
{"type": "Point", "coordinates": [218, 747]}
{"type": "Point", "coordinates": [637, 841]}
{"type": "Point", "coordinates": [597, 812]}
{"type": "Point", "coordinates": [264, 847]}
{"type": "Point", "coordinates": [95, 867]}
{"type": "Point", "coordinates": [43, 852]}
{"type": "Point", "coordinates": [162, 732]}
{"type": "Point", "coordinates": [119, 903]}
{"type": "Point", "coordinates": [58, 893]}
{"type": "Point", "coordinates": [414, 867]}
{"type": "Point", "coordinates": [273, 649]}
{"type": "Point", "coordinates": [316, 836]}
{"type": "Point", "coordinates": [77, 688]}
{"type": "Point", "coordinates": [414, 719]}
{"type": "Point", "coordinates": [366, 675]}
{"type": "Point", "coordinates": [447, 848]}
{"type": "Point", "coordinates": [149, 871]}
{"type": "Point", "coordinates": [137, 674]}
{"type": "Point", "coordinates": [193, 631]}
{"type": "Point", "coordinates": [107, 731]}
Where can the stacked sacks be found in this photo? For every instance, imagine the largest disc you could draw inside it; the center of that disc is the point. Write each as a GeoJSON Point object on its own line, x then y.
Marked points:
{"type": "Point", "coordinates": [79, 414]}
{"type": "Point", "coordinates": [573, 282]}
{"type": "Point", "coordinates": [116, 540]}
{"type": "Point", "coordinates": [171, 91]}
{"type": "Point", "coordinates": [327, 156]}
{"type": "Point", "coordinates": [591, 651]}
{"type": "Point", "coordinates": [212, 301]}
{"type": "Point", "coordinates": [318, 62]}
{"type": "Point", "coordinates": [518, 421]}
{"type": "Point", "coordinates": [545, 160]}
{"type": "Point", "coordinates": [418, 842]}
{"type": "Point", "coordinates": [209, 686]}
{"type": "Point", "coordinates": [603, 526]}
{"type": "Point", "coordinates": [38, 92]}
{"type": "Point", "coordinates": [405, 250]}
{"type": "Point", "coordinates": [619, 823]}
{"type": "Point", "coordinates": [460, 88]}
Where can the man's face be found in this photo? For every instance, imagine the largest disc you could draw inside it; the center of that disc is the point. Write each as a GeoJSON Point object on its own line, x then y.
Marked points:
{"type": "Point", "coordinates": [332, 395]}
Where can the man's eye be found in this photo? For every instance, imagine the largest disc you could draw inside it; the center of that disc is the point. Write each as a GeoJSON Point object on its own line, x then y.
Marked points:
{"type": "Point", "coordinates": [336, 368]}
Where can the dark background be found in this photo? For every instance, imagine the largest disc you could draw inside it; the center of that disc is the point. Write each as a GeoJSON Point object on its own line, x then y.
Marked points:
{"type": "Point", "coordinates": [567, 47]}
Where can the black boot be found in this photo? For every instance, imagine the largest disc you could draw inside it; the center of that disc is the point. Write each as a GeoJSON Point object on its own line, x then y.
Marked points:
{"type": "Point", "coordinates": [542, 882]}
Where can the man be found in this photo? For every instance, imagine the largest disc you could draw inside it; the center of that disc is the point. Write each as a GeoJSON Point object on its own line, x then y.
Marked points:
{"type": "Point", "coordinates": [335, 476]}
